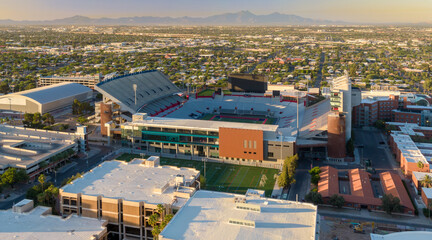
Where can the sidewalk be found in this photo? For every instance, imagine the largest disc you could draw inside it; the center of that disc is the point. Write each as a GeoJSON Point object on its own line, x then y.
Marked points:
{"type": "Point", "coordinates": [412, 221]}
{"type": "Point", "coordinates": [277, 191]}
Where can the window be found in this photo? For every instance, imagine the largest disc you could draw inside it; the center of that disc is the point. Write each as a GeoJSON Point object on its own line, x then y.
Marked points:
{"type": "Point", "coordinates": [245, 144]}
{"type": "Point", "coordinates": [255, 144]}
{"type": "Point", "coordinates": [270, 154]}
{"type": "Point", "coordinates": [250, 144]}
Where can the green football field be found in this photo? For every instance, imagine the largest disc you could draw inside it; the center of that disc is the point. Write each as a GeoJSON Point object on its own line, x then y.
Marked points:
{"type": "Point", "coordinates": [225, 177]}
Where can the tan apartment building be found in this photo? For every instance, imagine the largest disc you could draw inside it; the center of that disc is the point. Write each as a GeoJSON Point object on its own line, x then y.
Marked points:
{"type": "Point", "coordinates": [127, 194]}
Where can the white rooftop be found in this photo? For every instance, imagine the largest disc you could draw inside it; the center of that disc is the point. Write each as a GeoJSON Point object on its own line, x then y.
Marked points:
{"type": "Point", "coordinates": [133, 181]}
{"type": "Point", "coordinates": [199, 124]}
{"type": "Point", "coordinates": [427, 192]}
{"type": "Point", "coordinates": [206, 216]}
{"type": "Point", "coordinates": [36, 225]}
{"type": "Point", "coordinates": [421, 175]}
{"type": "Point", "coordinates": [408, 148]}
{"type": "Point", "coordinates": [417, 235]}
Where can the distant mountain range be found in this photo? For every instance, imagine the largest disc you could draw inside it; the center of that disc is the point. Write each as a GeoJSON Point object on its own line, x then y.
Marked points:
{"type": "Point", "coordinates": [239, 18]}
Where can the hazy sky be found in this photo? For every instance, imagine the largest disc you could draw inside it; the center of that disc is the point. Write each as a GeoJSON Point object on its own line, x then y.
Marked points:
{"type": "Point", "coordinates": [369, 11]}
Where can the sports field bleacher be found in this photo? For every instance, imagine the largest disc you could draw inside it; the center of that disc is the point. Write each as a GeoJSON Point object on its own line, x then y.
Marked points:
{"type": "Point", "coordinates": [154, 92]}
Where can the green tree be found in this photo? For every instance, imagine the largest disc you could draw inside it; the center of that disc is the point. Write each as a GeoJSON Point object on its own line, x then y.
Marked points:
{"type": "Point", "coordinates": [315, 175]}
{"type": "Point", "coordinates": [426, 181]}
{"type": "Point", "coordinates": [9, 177]}
{"type": "Point", "coordinates": [48, 119]}
{"type": "Point", "coordinates": [420, 164]}
{"type": "Point", "coordinates": [336, 201]}
{"type": "Point", "coordinates": [82, 120]}
{"type": "Point", "coordinates": [37, 120]}
{"type": "Point", "coordinates": [28, 120]}
{"type": "Point", "coordinates": [287, 176]}
{"type": "Point", "coordinates": [22, 176]}
{"type": "Point", "coordinates": [41, 180]}
{"type": "Point", "coordinates": [202, 182]}
{"type": "Point", "coordinates": [314, 197]}
{"type": "Point", "coordinates": [390, 203]}
{"type": "Point", "coordinates": [71, 179]}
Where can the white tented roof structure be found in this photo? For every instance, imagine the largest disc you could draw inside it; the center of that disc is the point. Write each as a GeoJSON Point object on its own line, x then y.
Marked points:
{"type": "Point", "coordinates": [45, 99]}
{"type": "Point", "coordinates": [154, 91]}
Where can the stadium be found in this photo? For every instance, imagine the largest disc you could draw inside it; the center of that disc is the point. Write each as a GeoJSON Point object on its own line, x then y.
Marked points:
{"type": "Point", "coordinates": [148, 112]}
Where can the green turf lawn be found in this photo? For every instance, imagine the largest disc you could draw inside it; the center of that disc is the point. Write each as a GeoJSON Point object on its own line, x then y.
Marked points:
{"type": "Point", "coordinates": [224, 177]}
{"type": "Point", "coordinates": [206, 93]}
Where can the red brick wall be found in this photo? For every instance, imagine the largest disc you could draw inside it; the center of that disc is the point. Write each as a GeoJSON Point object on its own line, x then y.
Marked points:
{"type": "Point", "coordinates": [241, 143]}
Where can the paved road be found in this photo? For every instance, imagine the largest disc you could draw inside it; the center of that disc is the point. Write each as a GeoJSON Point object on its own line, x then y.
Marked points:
{"type": "Point", "coordinates": [375, 148]}
{"type": "Point", "coordinates": [319, 73]}
{"type": "Point", "coordinates": [301, 186]}
{"type": "Point", "coordinates": [82, 166]}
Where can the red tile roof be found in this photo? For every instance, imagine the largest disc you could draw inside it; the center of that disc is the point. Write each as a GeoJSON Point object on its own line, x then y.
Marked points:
{"type": "Point", "coordinates": [329, 181]}
{"type": "Point", "coordinates": [392, 184]}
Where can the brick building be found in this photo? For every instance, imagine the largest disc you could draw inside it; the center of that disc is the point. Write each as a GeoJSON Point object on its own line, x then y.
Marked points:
{"type": "Point", "coordinates": [360, 190]}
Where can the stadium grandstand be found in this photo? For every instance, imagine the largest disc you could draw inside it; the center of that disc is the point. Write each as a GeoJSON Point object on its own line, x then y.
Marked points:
{"type": "Point", "coordinates": [145, 111]}
{"type": "Point", "coordinates": [149, 92]}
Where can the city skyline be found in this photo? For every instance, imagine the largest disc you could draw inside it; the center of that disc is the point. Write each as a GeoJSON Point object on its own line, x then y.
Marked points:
{"type": "Point", "coordinates": [368, 11]}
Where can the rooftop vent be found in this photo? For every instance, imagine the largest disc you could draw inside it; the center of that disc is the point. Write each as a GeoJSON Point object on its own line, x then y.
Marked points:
{"type": "Point", "coordinates": [242, 222]}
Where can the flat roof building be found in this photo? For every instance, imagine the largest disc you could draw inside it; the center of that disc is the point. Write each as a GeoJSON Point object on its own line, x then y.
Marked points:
{"type": "Point", "coordinates": [127, 194]}
{"type": "Point", "coordinates": [418, 235]}
{"type": "Point", "coordinates": [46, 99]}
{"type": "Point", "coordinates": [216, 215]}
{"type": "Point", "coordinates": [25, 222]}
{"type": "Point", "coordinates": [36, 150]}
{"type": "Point", "coordinates": [89, 80]}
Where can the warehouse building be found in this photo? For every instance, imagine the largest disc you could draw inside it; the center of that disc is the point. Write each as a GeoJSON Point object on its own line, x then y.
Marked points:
{"type": "Point", "coordinates": [46, 99]}
{"type": "Point", "coordinates": [216, 215]}
{"type": "Point", "coordinates": [127, 194]}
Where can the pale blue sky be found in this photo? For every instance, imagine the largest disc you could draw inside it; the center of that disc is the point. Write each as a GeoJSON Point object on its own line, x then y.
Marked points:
{"type": "Point", "coordinates": [370, 11]}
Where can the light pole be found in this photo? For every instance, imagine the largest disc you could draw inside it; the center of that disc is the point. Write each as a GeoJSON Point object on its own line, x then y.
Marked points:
{"type": "Point", "coordinates": [298, 93]}
{"type": "Point", "coordinates": [10, 104]}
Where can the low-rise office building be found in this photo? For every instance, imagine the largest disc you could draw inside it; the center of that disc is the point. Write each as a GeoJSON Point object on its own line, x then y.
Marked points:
{"type": "Point", "coordinates": [216, 215]}
{"type": "Point", "coordinates": [25, 222]}
{"type": "Point", "coordinates": [127, 194]}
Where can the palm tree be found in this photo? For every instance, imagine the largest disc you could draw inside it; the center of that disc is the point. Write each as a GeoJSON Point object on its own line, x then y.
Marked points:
{"type": "Point", "coordinates": [426, 181]}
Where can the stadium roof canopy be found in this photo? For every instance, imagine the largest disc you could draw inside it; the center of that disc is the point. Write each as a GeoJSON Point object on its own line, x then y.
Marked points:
{"type": "Point", "coordinates": [151, 86]}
